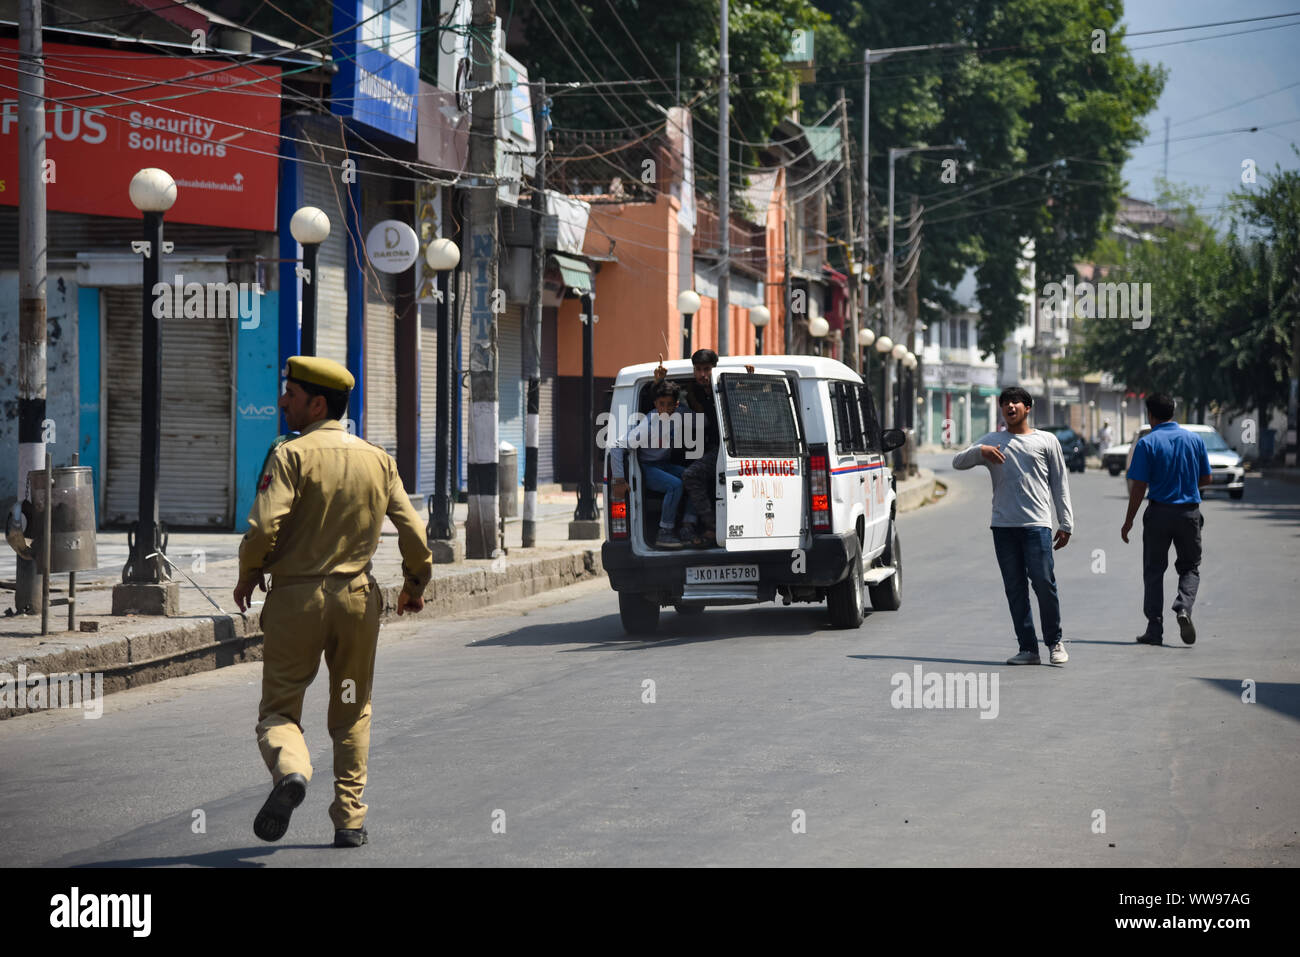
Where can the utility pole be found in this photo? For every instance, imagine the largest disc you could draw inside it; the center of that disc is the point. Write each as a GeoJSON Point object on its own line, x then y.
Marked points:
{"type": "Point", "coordinates": [481, 523]}
{"type": "Point", "coordinates": [847, 179]}
{"type": "Point", "coordinates": [31, 281]}
{"type": "Point", "coordinates": [533, 324]}
{"type": "Point", "coordinates": [1166, 172]}
{"type": "Point", "coordinates": [724, 196]}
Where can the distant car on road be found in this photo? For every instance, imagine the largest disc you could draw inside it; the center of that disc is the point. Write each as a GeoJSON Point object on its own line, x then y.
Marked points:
{"type": "Point", "coordinates": [1072, 444]}
{"type": "Point", "coordinates": [1227, 472]}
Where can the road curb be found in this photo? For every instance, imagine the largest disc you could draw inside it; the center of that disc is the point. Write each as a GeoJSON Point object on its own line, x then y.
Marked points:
{"type": "Point", "coordinates": [912, 493]}
{"type": "Point", "coordinates": [210, 642]}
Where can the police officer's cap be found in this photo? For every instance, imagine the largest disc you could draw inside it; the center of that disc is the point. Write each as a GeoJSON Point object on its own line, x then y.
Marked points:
{"type": "Point", "coordinates": [325, 373]}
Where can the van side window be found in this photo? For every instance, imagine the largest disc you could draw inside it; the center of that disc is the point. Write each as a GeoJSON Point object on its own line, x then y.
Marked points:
{"type": "Point", "coordinates": [854, 405]}
{"type": "Point", "coordinates": [871, 425]}
{"type": "Point", "coordinates": [840, 402]}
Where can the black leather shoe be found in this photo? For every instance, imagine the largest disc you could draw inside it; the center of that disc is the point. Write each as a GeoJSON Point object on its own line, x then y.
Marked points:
{"type": "Point", "coordinates": [1149, 640]}
{"type": "Point", "coordinates": [1187, 629]}
{"type": "Point", "coordinates": [272, 821]}
{"type": "Point", "coordinates": [350, 836]}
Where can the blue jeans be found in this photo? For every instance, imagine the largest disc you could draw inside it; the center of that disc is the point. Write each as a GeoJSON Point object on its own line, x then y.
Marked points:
{"type": "Point", "coordinates": [667, 479]}
{"type": "Point", "coordinates": [1025, 557]}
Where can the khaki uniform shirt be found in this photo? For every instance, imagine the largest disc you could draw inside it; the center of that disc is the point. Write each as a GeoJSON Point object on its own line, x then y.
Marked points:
{"type": "Point", "coordinates": [320, 508]}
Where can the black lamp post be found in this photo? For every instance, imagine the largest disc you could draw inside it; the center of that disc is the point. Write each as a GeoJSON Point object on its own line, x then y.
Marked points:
{"type": "Point", "coordinates": [310, 227]}
{"type": "Point", "coordinates": [760, 317]}
{"type": "Point", "coordinates": [442, 256]}
{"type": "Point", "coordinates": [818, 327]}
{"type": "Point", "coordinates": [688, 304]}
{"type": "Point", "coordinates": [586, 510]}
{"type": "Point", "coordinates": [153, 192]}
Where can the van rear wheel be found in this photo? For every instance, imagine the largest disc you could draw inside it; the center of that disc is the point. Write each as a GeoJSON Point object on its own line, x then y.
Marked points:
{"type": "Point", "coordinates": [888, 595]}
{"type": "Point", "coordinates": [847, 600]}
{"type": "Point", "coordinates": [640, 617]}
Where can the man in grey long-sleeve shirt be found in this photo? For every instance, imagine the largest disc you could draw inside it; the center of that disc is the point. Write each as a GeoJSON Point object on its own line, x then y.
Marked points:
{"type": "Point", "coordinates": [1028, 470]}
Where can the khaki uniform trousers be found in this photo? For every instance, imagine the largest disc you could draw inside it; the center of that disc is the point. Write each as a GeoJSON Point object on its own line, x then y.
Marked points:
{"type": "Point", "coordinates": [301, 619]}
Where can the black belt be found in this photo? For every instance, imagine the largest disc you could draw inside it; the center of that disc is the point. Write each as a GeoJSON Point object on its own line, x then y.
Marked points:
{"type": "Point", "coordinates": [1181, 506]}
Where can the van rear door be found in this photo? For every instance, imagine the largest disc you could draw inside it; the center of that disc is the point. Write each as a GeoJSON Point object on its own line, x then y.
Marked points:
{"type": "Point", "coordinates": [762, 456]}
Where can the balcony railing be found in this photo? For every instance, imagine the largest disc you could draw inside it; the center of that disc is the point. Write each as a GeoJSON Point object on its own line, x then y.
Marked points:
{"type": "Point", "coordinates": [748, 241]}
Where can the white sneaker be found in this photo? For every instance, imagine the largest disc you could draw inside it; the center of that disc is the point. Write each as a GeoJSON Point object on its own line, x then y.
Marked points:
{"type": "Point", "coordinates": [1025, 658]}
{"type": "Point", "coordinates": [1059, 657]}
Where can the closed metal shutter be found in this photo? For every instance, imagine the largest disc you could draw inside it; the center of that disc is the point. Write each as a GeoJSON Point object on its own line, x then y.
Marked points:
{"type": "Point", "coordinates": [545, 401]}
{"type": "Point", "coordinates": [510, 382]}
{"type": "Point", "coordinates": [462, 387]}
{"type": "Point", "coordinates": [319, 189]}
{"type": "Point", "coordinates": [381, 325]}
{"type": "Point", "coordinates": [428, 396]}
{"type": "Point", "coordinates": [197, 462]}
{"type": "Point", "coordinates": [381, 376]}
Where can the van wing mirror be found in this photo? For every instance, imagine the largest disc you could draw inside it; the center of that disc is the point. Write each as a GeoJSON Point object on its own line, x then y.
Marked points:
{"type": "Point", "coordinates": [891, 439]}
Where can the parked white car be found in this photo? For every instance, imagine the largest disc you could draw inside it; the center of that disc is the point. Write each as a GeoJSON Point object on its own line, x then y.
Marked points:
{"type": "Point", "coordinates": [804, 498]}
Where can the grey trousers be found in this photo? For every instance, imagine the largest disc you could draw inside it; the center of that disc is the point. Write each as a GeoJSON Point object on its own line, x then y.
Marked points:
{"type": "Point", "coordinates": [700, 485]}
{"type": "Point", "coordinates": [1163, 525]}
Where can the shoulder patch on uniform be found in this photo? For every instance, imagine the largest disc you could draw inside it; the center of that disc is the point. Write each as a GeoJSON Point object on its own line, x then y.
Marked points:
{"type": "Point", "coordinates": [263, 485]}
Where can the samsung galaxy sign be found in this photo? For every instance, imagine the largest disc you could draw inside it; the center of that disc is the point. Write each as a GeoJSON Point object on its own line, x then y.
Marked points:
{"type": "Point", "coordinates": [378, 56]}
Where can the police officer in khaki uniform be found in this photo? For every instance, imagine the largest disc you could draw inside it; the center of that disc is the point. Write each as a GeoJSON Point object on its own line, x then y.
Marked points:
{"type": "Point", "coordinates": [314, 526]}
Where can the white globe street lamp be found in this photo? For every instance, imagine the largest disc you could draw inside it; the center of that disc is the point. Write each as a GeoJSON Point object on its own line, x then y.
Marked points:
{"type": "Point", "coordinates": [898, 351]}
{"type": "Point", "coordinates": [817, 328]}
{"type": "Point", "coordinates": [884, 344]}
{"type": "Point", "coordinates": [688, 304]}
{"type": "Point", "coordinates": [442, 256]}
{"type": "Point", "coordinates": [310, 227]}
{"type": "Point", "coordinates": [153, 192]}
{"type": "Point", "coordinates": [866, 337]}
{"type": "Point", "coordinates": [760, 317]}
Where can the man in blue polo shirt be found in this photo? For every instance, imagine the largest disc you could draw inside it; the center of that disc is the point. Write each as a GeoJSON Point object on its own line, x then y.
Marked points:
{"type": "Point", "coordinates": [1173, 463]}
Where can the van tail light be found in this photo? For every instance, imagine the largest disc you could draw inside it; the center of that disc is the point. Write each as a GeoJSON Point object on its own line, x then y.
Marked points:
{"type": "Point", "coordinates": [819, 487]}
{"type": "Point", "coordinates": [617, 509]}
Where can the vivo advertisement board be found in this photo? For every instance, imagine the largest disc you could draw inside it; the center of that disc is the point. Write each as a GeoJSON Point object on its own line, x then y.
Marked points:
{"type": "Point", "coordinates": [378, 56]}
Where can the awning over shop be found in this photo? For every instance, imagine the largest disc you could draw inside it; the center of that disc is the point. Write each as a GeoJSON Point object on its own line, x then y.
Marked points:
{"type": "Point", "coordinates": [575, 272]}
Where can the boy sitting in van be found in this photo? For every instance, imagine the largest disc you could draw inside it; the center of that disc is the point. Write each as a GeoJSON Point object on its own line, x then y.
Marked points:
{"type": "Point", "coordinates": [654, 439]}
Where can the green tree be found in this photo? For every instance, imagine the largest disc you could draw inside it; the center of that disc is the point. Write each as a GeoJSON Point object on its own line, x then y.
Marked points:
{"type": "Point", "coordinates": [1045, 119]}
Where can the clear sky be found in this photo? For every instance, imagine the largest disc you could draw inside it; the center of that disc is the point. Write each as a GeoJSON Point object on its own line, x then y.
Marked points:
{"type": "Point", "coordinates": [1214, 76]}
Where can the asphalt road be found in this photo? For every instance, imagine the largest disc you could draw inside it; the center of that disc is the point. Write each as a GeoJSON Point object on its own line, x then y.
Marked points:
{"type": "Point", "coordinates": [763, 719]}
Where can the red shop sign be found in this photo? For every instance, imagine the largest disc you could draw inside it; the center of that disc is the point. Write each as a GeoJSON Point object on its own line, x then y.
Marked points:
{"type": "Point", "coordinates": [213, 126]}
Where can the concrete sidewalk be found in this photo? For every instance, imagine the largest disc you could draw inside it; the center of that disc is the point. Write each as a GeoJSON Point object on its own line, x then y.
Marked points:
{"type": "Point", "coordinates": [133, 650]}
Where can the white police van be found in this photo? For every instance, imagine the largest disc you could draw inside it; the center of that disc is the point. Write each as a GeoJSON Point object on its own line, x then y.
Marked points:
{"type": "Point", "coordinates": [804, 499]}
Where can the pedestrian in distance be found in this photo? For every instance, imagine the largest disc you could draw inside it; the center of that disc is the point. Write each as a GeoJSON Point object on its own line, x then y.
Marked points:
{"type": "Point", "coordinates": [1173, 464]}
{"type": "Point", "coordinates": [314, 526]}
{"type": "Point", "coordinates": [1104, 438]}
{"type": "Point", "coordinates": [1029, 484]}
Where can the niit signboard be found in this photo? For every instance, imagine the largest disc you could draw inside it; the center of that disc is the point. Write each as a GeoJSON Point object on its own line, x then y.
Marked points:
{"type": "Point", "coordinates": [378, 56]}
{"type": "Point", "coordinates": [213, 125]}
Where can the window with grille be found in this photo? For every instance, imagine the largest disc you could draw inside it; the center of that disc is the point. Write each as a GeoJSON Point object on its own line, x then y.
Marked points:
{"type": "Point", "coordinates": [760, 416]}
